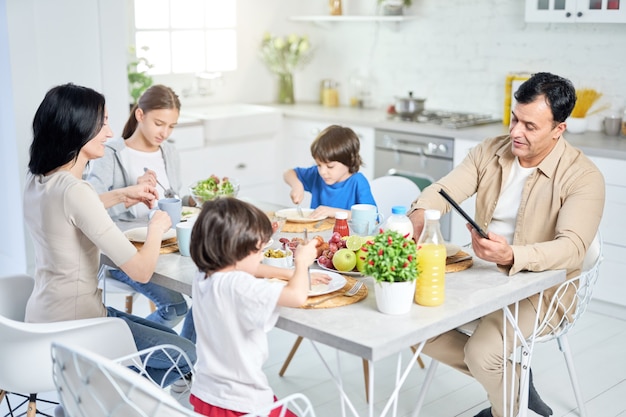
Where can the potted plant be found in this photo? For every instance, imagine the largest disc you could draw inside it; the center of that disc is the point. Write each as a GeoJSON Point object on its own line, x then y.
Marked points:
{"type": "Point", "coordinates": [138, 78]}
{"type": "Point", "coordinates": [391, 259]}
{"type": "Point", "coordinates": [394, 7]}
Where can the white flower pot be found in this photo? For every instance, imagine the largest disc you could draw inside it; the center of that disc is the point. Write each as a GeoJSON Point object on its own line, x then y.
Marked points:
{"type": "Point", "coordinates": [394, 297]}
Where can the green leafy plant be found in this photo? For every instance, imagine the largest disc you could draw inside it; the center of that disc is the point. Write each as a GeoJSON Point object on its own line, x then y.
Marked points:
{"type": "Point", "coordinates": [390, 257]}
{"type": "Point", "coordinates": [138, 79]}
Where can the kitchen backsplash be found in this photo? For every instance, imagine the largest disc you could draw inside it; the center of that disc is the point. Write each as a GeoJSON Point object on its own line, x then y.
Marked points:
{"type": "Point", "coordinates": [455, 53]}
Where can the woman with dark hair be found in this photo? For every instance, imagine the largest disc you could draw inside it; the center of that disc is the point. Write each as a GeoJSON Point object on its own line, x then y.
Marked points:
{"type": "Point", "coordinates": [70, 226]}
{"type": "Point", "coordinates": [144, 145]}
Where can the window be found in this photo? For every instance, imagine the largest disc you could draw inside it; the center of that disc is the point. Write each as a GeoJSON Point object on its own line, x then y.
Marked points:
{"type": "Point", "coordinates": [186, 36]}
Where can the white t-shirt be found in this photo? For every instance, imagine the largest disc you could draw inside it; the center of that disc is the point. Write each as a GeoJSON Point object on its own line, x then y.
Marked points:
{"type": "Point", "coordinates": [232, 312]}
{"type": "Point", "coordinates": [505, 214]}
{"type": "Point", "coordinates": [135, 161]}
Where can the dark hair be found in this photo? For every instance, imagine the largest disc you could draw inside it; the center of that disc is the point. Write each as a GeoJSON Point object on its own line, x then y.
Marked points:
{"type": "Point", "coordinates": [156, 97]}
{"type": "Point", "coordinates": [226, 231]}
{"type": "Point", "coordinates": [338, 143]}
{"type": "Point", "coordinates": [559, 93]}
{"type": "Point", "coordinates": [68, 117]}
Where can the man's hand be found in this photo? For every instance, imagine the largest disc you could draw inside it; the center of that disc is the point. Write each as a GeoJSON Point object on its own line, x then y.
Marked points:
{"type": "Point", "coordinates": [495, 249]}
{"type": "Point", "coordinates": [417, 218]}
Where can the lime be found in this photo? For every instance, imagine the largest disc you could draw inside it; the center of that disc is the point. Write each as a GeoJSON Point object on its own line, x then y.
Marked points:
{"type": "Point", "coordinates": [354, 243]}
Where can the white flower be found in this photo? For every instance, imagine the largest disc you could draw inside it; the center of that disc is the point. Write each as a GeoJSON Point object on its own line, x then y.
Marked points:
{"type": "Point", "coordinates": [284, 54]}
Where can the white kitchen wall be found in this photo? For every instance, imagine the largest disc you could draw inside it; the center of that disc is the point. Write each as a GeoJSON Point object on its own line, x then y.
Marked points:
{"type": "Point", "coordinates": [456, 53]}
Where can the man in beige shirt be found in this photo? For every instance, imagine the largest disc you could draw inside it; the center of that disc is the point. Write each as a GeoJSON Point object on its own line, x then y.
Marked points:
{"type": "Point", "coordinates": [541, 201]}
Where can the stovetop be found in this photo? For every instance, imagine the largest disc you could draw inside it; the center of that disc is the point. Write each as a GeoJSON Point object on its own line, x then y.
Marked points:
{"type": "Point", "coordinates": [450, 119]}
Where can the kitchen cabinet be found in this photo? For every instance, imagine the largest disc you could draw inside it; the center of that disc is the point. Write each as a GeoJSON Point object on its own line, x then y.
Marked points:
{"type": "Point", "coordinates": [234, 140]}
{"type": "Point", "coordinates": [297, 136]}
{"type": "Point", "coordinates": [458, 232]}
{"type": "Point", "coordinates": [576, 11]}
{"type": "Point", "coordinates": [611, 286]}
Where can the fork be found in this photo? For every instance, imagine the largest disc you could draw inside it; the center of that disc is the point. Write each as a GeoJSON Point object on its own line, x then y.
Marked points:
{"type": "Point", "coordinates": [349, 293]}
{"type": "Point", "coordinates": [168, 192]}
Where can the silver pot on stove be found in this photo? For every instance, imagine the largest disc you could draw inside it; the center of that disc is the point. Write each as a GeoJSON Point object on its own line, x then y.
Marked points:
{"type": "Point", "coordinates": [409, 107]}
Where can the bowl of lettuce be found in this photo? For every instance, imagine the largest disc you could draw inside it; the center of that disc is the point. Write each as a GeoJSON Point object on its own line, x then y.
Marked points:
{"type": "Point", "coordinates": [213, 187]}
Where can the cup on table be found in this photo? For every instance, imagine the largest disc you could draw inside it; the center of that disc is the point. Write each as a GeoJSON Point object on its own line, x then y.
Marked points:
{"type": "Point", "coordinates": [173, 207]}
{"type": "Point", "coordinates": [612, 125]}
{"type": "Point", "coordinates": [359, 227]}
{"type": "Point", "coordinates": [183, 237]}
{"type": "Point", "coordinates": [368, 213]}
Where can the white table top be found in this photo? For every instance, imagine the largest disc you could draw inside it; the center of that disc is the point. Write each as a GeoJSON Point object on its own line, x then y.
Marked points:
{"type": "Point", "coordinates": [360, 329]}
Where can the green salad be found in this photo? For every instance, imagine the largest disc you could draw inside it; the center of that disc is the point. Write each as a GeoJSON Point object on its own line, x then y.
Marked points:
{"type": "Point", "coordinates": [213, 187]}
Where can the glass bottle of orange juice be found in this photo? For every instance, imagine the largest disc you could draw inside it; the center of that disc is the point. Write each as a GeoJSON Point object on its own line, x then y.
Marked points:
{"type": "Point", "coordinates": [431, 262]}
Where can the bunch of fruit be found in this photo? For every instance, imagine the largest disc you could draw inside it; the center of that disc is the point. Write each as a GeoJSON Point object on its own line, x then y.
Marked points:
{"type": "Point", "coordinates": [343, 253]}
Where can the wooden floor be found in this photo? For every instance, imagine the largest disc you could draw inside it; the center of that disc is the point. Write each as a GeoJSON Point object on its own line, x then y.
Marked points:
{"type": "Point", "coordinates": [598, 344]}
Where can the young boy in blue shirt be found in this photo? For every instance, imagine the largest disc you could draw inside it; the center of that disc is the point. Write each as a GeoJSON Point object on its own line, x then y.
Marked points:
{"type": "Point", "coordinates": [335, 182]}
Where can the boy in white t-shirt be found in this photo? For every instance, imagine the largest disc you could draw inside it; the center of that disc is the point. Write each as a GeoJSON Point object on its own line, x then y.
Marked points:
{"type": "Point", "coordinates": [233, 310]}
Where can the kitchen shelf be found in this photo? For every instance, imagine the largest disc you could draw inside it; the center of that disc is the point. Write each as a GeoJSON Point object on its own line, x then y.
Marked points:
{"type": "Point", "coordinates": [354, 18]}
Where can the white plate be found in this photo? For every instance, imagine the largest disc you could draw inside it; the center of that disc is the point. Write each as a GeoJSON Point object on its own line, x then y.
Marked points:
{"type": "Point", "coordinates": [452, 249]}
{"type": "Point", "coordinates": [349, 273]}
{"type": "Point", "coordinates": [138, 234]}
{"type": "Point", "coordinates": [336, 283]}
{"type": "Point", "coordinates": [292, 215]}
{"type": "Point", "coordinates": [189, 212]}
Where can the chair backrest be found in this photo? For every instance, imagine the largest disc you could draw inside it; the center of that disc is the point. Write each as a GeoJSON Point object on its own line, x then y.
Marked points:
{"type": "Point", "coordinates": [14, 293]}
{"type": "Point", "coordinates": [569, 308]}
{"type": "Point", "coordinates": [90, 385]}
{"type": "Point", "coordinates": [26, 366]}
{"type": "Point", "coordinates": [393, 190]}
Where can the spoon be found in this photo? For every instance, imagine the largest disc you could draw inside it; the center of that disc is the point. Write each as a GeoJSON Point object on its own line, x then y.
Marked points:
{"type": "Point", "coordinates": [169, 193]}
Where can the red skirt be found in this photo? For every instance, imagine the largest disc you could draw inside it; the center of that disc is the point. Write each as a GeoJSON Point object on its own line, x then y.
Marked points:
{"type": "Point", "coordinates": [209, 410]}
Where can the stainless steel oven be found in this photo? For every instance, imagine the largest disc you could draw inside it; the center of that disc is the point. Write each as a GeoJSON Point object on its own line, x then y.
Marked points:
{"type": "Point", "coordinates": [423, 159]}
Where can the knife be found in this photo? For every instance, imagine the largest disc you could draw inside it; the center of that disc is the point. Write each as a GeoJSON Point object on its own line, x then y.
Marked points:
{"type": "Point", "coordinates": [299, 209]}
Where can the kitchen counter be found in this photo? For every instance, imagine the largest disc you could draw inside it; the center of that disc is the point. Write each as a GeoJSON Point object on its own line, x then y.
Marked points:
{"type": "Point", "coordinates": [592, 143]}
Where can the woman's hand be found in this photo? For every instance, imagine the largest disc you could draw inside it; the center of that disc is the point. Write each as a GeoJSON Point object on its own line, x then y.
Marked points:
{"type": "Point", "coordinates": [140, 193]}
{"type": "Point", "coordinates": [160, 221]}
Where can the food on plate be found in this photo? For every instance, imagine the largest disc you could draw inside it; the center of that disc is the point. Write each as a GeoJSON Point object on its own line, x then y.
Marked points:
{"type": "Point", "coordinates": [275, 253]}
{"type": "Point", "coordinates": [212, 187]}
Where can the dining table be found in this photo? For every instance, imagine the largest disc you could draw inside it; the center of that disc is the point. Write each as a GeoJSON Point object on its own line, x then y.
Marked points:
{"type": "Point", "coordinates": [361, 330]}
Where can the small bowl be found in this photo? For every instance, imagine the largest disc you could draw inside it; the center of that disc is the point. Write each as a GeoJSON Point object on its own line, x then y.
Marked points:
{"type": "Point", "coordinates": [284, 262]}
{"type": "Point", "coordinates": [576, 124]}
{"type": "Point", "coordinates": [200, 199]}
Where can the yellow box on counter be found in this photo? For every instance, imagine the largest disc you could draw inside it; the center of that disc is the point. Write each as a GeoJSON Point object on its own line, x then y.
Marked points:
{"type": "Point", "coordinates": [511, 84]}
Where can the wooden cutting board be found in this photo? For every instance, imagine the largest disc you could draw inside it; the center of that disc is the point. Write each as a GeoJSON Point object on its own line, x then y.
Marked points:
{"type": "Point", "coordinates": [453, 266]}
{"type": "Point", "coordinates": [167, 246]}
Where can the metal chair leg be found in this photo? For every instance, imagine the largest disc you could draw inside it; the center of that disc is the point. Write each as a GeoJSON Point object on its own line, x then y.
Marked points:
{"type": "Point", "coordinates": [564, 347]}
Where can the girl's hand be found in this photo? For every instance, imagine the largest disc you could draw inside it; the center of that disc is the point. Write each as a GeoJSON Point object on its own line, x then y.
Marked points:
{"type": "Point", "coordinates": [140, 193]}
{"type": "Point", "coordinates": [149, 178]}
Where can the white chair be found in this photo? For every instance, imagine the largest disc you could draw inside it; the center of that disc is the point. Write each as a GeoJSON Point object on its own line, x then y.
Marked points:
{"type": "Point", "coordinates": [108, 284]}
{"type": "Point", "coordinates": [90, 385]}
{"type": "Point", "coordinates": [393, 190]}
{"type": "Point", "coordinates": [551, 327]}
{"type": "Point", "coordinates": [26, 366]}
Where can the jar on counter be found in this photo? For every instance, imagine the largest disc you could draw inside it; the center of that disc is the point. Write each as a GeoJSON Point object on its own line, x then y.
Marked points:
{"type": "Point", "coordinates": [329, 93]}
{"type": "Point", "coordinates": [335, 7]}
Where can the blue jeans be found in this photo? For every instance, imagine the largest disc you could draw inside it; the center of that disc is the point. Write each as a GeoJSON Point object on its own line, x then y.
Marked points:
{"type": "Point", "coordinates": [147, 334]}
{"type": "Point", "coordinates": [171, 306]}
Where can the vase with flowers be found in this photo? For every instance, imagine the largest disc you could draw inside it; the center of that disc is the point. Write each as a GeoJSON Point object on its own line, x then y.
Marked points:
{"type": "Point", "coordinates": [391, 259]}
{"type": "Point", "coordinates": [283, 55]}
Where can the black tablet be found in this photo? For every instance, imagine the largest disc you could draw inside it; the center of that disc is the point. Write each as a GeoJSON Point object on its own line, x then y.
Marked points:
{"type": "Point", "coordinates": [463, 213]}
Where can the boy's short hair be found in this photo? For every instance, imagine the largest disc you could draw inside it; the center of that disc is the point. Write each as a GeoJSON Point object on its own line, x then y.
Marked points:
{"type": "Point", "coordinates": [338, 143]}
{"type": "Point", "coordinates": [225, 232]}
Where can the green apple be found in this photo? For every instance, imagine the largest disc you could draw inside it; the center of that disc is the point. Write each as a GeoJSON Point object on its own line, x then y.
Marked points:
{"type": "Point", "coordinates": [344, 260]}
{"type": "Point", "coordinates": [360, 263]}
